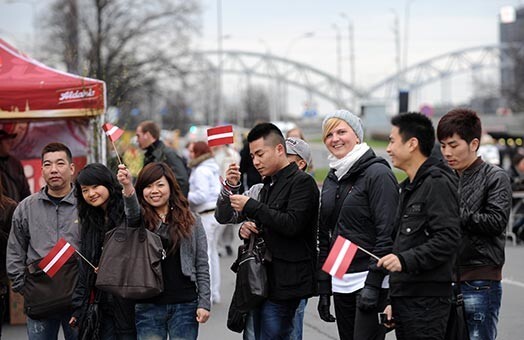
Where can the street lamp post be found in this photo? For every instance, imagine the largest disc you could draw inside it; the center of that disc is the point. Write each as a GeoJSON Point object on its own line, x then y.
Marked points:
{"type": "Point", "coordinates": [339, 63]}
{"type": "Point", "coordinates": [352, 68]}
{"type": "Point", "coordinates": [293, 42]}
{"type": "Point", "coordinates": [406, 34]}
{"type": "Point", "coordinates": [218, 117]}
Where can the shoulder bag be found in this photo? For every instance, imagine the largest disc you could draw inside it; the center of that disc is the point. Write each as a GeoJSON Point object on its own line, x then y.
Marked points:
{"type": "Point", "coordinates": [45, 296]}
{"type": "Point", "coordinates": [130, 265]}
{"type": "Point", "coordinates": [457, 327]}
{"type": "Point", "coordinates": [251, 287]}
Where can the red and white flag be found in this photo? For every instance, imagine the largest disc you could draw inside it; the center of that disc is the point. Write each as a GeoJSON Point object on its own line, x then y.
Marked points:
{"type": "Point", "coordinates": [112, 131]}
{"type": "Point", "coordinates": [57, 257]}
{"type": "Point", "coordinates": [220, 135]}
{"type": "Point", "coordinates": [340, 257]}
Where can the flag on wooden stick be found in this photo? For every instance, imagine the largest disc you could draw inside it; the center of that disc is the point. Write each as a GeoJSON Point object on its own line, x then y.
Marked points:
{"type": "Point", "coordinates": [113, 132]}
{"type": "Point", "coordinates": [340, 257]}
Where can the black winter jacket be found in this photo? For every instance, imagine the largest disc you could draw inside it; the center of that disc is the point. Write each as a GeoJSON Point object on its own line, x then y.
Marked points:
{"type": "Point", "coordinates": [485, 204]}
{"type": "Point", "coordinates": [287, 213]}
{"type": "Point", "coordinates": [366, 216]}
{"type": "Point", "coordinates": [159, 152]}
{"type": "Point", "coordinates": [427, 232]}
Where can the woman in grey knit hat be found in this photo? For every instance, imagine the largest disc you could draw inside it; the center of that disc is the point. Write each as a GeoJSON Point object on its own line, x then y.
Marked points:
{"type": "Point", "coordinates": [358, 201]}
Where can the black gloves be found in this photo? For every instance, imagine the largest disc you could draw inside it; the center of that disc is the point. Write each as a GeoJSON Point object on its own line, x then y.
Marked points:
{"type": "Point", "coordinates": [323, 308]}
{"type": "Point", "coordinates": [369, 297]}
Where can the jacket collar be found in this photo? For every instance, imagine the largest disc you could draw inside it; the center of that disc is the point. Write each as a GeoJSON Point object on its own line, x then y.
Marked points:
{"type": "Point", "coordinates": [422, 173]}
{"type": "Point", "coordinates": [197, 161]}
{"type": "Point", "coordinates": [474, 167]}
{"type": "Point", "coordinates": [69, 198]}
{"type": "Point", "coordinates": [154, 146]}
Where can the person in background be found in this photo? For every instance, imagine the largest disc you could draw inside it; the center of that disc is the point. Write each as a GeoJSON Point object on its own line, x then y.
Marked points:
{"type": "Point", "coordinates": [358, 202]}
{"type": "Point", "coordinates": [7, 207]}
{"type": "Point", "coordinates": [148, 139]}
{"type": "Point", "coordinates": [295, 133]}
{"type": "Point", "coordinates": [100, 209]}
{"type": "Point", "coordinates": [204, 183]}
{"type": "Point", "coordinates": [12, 175]}
{"type": "Point", "coordinates": [285, 216]}
{"type": "Point", "coordinates": [38, 222]}
{"type": "Point", "coordinates": [427, 233]}
{"type": "Point", "coordinates": [185, 301]}
{"type": "Point", "coordinates": [250, 175]}
{"type": "Point", "coordinates": [485, 204]}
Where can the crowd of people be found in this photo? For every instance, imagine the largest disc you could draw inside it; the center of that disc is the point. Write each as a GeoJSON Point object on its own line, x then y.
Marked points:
{"type": "Point", "coordinates": [439, 231]}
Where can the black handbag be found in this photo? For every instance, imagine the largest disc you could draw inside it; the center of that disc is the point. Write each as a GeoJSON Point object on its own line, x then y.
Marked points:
{"type": "Point", "coordinates": [89, 328]}
{"type": "Point", "coordinates": [251, 287]}
{"type": "Point", "coordinates": [130, 265]}
{"type": "Point", "coordinates": [45, 296]}
{"type": "Point", "coordinates": [457, 327]}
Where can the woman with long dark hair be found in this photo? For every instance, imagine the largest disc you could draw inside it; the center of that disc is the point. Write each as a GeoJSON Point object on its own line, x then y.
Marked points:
{"type": "Point", "coordinates": [185, 301]}
{"type": "Point", "coordinates": [7, 207]}
{"type": "Point", "coordinates": [100, 209]}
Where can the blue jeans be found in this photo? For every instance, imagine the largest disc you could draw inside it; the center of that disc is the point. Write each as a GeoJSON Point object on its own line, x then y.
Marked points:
{"type": "Point", "coordinates": [47, 329]}
{"type": "Point", "coordinates": [298, 321]}
{"type": "Point", "coordinates": [154, 322]}
{"type": "Point", "coordinates": [275, 320]}
{"type": "Point", "coordinates": [482, 304]}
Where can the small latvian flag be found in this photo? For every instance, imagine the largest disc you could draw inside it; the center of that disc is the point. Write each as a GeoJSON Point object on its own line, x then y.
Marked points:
{"type": "Point", "coordinates": [340, 257]}
{"type": "Point", "coordinates": [220, 135]}
{"type": "Point", "coordinates": [113, 132]}
{"type": "Point", "coordinates": [57, 257]}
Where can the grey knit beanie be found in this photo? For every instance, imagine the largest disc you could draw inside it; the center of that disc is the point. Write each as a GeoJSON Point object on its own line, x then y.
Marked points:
{"type": "Point", "coordinates": [352, 119]}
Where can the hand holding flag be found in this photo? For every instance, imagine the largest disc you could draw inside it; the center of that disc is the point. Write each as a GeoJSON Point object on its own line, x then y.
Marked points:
{"type": "Point", "coordinates": [113, 132]}
{"type": "Point", "coordinates": [220, 135]}
{"type": "Point", "coordinates": [340, 257]}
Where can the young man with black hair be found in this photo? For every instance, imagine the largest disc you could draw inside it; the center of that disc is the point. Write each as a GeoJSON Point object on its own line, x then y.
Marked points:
{"type": "Point", "coordinates": [285, 215]}
{"type": "Point", "coordinates": [485, 204]}
{"type": "Point", "coordinates": [427, 233]}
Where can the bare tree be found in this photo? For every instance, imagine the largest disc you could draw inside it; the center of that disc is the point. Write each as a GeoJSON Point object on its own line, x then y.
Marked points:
{"type": "Point", "coordinates": [126, 43]}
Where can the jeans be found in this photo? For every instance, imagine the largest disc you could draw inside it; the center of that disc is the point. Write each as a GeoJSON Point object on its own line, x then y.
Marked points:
{"type": "Point", "coordinates": [212, 228]}
{"type": "Point", "coordinates": [298, 321]}
{"type": "Point", "coordinates": [275, 320]}
{"type": "Point", "coordinates": [482, 304]}
{"type": "Point", "coordinates": [155, 322]}
{"type": "Point", "coordinates": [47, 329]}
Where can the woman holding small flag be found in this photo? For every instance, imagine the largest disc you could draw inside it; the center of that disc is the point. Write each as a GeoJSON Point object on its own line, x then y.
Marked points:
{"type": "Point", "coordinates": [185, 301]}
{"type": "Point", "coordinates": [358, 201]}
{"type": "Point", "coordinates": [100, 209]}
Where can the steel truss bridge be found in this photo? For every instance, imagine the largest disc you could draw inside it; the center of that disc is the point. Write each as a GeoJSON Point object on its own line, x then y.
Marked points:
{"type": "Point", "coordinates": [320, 83]}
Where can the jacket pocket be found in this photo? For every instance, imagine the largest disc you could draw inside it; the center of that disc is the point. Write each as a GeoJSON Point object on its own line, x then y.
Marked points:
{"type": "Point", "coordinates": [413, 231]}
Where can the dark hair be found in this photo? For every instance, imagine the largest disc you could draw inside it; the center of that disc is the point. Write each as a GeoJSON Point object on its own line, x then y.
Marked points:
{"type": "Point", "coordinates": [463, 122]}
{"type": "Point", "coordinates": [516, 159]}
{"type": "Point", "coordinates": [95, 219]}
{"type": "Point", "coordinates": [269, 132]}
{"type": "Point", "coordinates": [200, 148]}
{"type": "Point", "coordinates": [57, 147]}
{"type": "Point", "coordinates": [414, 124]}
{"type": "Point", "coordinates": [180, 220]}
{"type": "Point", "coordinates": [151, 127]}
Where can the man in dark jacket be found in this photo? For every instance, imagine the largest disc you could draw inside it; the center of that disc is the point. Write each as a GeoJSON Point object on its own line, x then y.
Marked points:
{"type": "Point", "coordinates": [12, 175]}
{"type": "Point", "coordinates": [286, 217]}
{"type": "Point", "coordinates": [148, 138]}
{"type": "Point", "coordinates": [427, 233]}
{"type": "Point", "coordinates": [485, 203]}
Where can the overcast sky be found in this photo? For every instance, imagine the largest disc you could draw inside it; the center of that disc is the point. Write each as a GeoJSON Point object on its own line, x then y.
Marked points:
{"type": "Point", "coordinates": [435, 27]}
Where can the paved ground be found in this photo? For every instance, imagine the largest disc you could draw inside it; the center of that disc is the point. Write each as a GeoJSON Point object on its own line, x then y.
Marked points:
{"type": "Point", "coordinates": [510, 325]}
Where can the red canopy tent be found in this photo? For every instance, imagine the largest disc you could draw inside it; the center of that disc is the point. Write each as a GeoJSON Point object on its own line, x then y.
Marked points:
{"type": "Point", "coordinates": [43, 105]}
{"type": "Point", "coordinates": [29, 89]}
